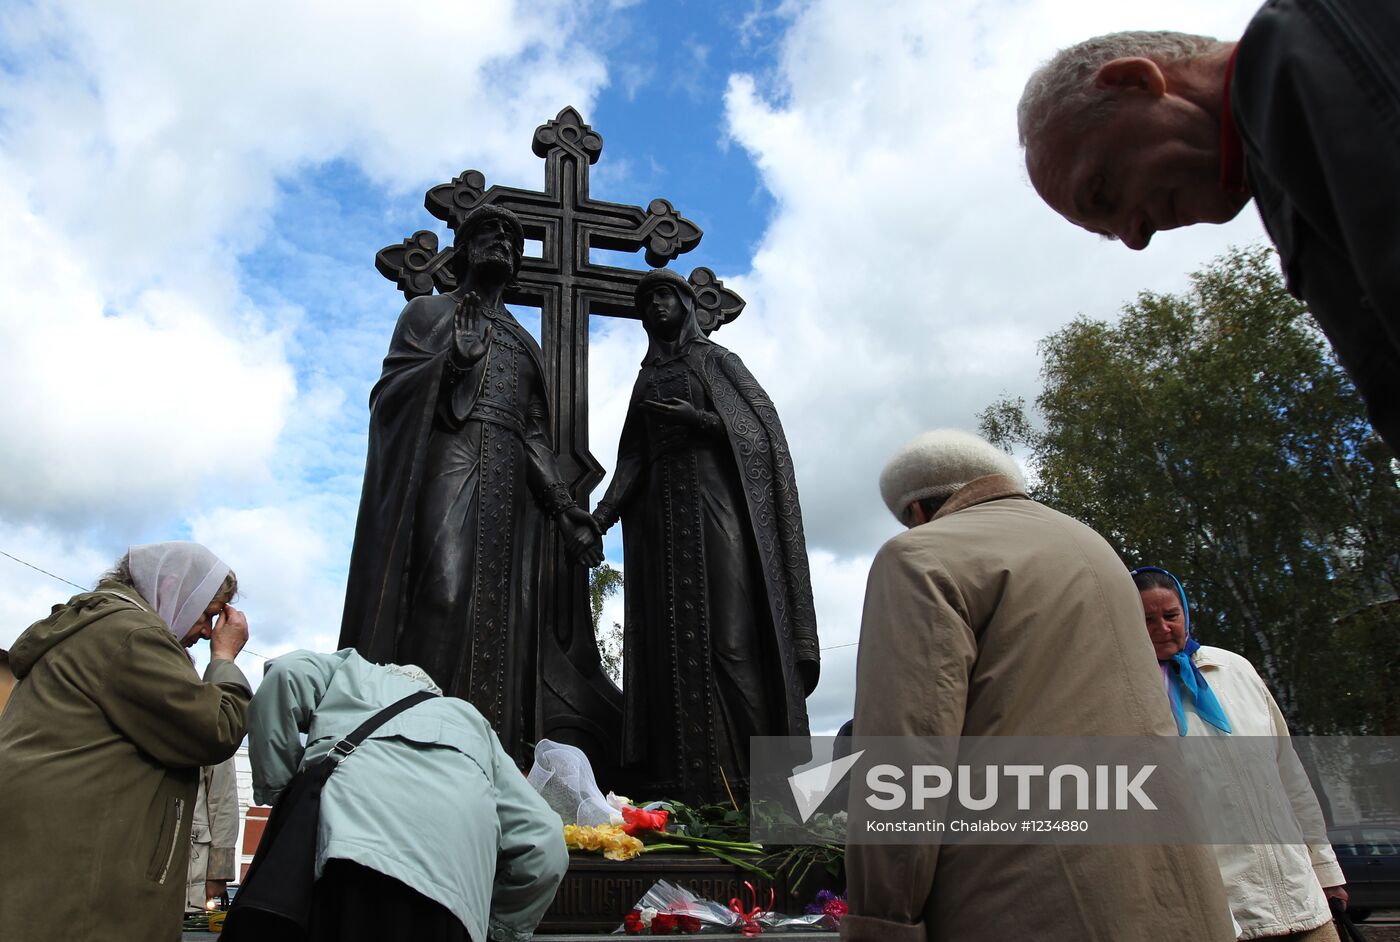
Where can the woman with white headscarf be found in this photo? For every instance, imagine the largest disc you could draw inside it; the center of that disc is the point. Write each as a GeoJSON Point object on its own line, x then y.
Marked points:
{"type": "Point", "coordinates": [101, 744]}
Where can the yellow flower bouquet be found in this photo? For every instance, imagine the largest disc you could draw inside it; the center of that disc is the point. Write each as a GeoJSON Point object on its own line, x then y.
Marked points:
{"type": "Point", "coordinates": [615, 843]}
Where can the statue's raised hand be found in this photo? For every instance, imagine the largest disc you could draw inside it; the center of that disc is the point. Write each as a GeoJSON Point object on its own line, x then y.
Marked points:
{"type": "Point", "coordinates": [471, 329]}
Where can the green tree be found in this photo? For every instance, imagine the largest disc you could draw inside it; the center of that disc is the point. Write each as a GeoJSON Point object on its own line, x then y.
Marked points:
{"type": "Point", "coordinates": [1213, 434]}
{"type": "Point", "coordinates": [603, 583]}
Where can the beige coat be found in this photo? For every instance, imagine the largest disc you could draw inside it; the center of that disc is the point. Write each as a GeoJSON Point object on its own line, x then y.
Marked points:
{"type": "Point", "coordinates": [213, 832]}
{"type": "Point", "coordinates": [100, 747]}
{"type": "Point", "coordinates": [1003, 617]}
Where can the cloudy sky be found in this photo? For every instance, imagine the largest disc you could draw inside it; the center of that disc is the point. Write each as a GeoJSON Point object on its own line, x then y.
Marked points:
{"type": "Point", "coordinates": [191, 196]}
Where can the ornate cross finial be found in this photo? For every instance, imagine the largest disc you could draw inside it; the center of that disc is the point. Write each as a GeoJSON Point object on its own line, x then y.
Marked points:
{"type": "Point", "coordinates": [568, 131]}
{"type": "Point", "coordinates": [418, 266]}
{"type": "Point", "coordinates": [715, 304]}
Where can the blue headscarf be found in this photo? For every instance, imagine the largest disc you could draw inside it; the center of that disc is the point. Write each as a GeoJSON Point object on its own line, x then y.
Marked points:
{"type": "Point", "coordinates": [1184, 677]}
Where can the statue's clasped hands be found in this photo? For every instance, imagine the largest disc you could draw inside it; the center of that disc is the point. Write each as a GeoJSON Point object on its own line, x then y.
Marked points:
{"type": "Point", "coordinates": [471, 328]}
{"type": "Point", "coordinates": [583, 540]}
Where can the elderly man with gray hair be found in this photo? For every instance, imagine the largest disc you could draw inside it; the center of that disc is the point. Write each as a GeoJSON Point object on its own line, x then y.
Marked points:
{"type": "Point", "coordinates": [1131, 133]}
{"type": "Point", "coordinates": [993, 615]}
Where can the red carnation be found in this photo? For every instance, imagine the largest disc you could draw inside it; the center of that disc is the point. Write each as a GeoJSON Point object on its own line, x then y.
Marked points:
{"type": "Point", "coordinates": [663, 923]}
{"type": "Point", "coordinates": [632, 923]}
{"type": "Point", "coordinates": [635, 820]}
{"type": "Point", "coordinates": [688, 924]}
{"type": "Point", "coordinates": [836, 909]}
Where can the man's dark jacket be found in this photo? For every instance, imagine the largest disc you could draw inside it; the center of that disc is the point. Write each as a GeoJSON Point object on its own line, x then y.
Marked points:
{"type": "Point", "coordinates": [1316, 99]}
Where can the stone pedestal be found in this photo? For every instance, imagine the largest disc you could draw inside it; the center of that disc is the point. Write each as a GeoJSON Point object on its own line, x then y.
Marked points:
{"type": "Point", "coordinates": [597, 893]}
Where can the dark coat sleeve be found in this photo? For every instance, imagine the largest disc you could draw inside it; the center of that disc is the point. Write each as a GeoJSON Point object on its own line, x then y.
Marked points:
{"type": "Point", "coordinates": [1316, 98]}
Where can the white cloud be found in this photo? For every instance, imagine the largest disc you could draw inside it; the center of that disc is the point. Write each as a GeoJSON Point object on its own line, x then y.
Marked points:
{"type": "Point", "coordinates": [615, 350]}
{"type": "Point", "coordinates": [176, 121]}
{"type": "Point", "coordinates": [838, 588]}
{"type": "Point", "coordinates": [142, 151]}
{"type": "Point", "coordinates": [26, 594]}
{"type": "Point", "coordinates": [909, 269]}
{"type": "Point", "coordinates": [291, 576]}
{"type": "Point", "coordinates": [122, 414]}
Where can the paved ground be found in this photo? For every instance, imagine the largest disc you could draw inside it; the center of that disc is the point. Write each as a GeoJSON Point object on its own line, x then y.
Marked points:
{"type": "Point", "coordinates": [1383, 926]}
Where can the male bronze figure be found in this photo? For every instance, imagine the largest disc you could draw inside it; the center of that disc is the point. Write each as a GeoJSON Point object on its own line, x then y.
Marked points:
{"type": "Point", "coordinates": [460, 482]}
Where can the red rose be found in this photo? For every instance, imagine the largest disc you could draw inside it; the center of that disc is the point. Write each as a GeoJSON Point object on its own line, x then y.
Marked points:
{"type": "Point", "coordinates": [688, 924]}
{"type": "Point", "coordinates": [635, 820]}
{"type": "Point", "coordinates": [836, 909]}
{"type": "Point", "coordinates": [632, 923]}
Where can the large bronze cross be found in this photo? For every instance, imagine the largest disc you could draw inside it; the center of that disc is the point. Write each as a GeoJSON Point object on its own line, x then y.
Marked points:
{"type": "Point", "coordinates": [575, 702]}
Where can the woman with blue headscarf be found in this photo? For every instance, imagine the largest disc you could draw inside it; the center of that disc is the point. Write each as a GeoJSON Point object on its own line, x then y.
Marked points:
{"type": "Point", "coordinates": [1276, 891]}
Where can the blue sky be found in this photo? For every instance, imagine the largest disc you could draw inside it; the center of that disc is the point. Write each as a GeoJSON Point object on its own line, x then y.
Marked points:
{"type": "Point", "coordinates": [191, 197]}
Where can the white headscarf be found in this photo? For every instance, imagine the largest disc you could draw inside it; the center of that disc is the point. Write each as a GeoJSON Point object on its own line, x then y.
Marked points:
{"type": "Point", "coordinates": [179, 579]}
{"type": "Point", "coordinates": [416, 674]}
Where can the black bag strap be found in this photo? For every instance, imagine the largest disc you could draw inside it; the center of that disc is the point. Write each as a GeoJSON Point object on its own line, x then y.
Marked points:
{"type": "Point", "coordinates": [1345, 927]}
{"type": "Point", "coordinates": [274, 903]}
{"type": "Point", "coordinates": [350, 743]}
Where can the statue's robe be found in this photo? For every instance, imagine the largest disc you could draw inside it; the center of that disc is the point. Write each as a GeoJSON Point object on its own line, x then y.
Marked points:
{"type": "Point", "coordinates": [444, 569]}
{"type": "Point", "coordinates": [720, 641]}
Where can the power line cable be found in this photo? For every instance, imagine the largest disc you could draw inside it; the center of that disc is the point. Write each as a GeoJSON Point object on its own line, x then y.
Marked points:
{"type": "Point", "coordinates": [830, 647]}
{"type": "Point", "coordinates": [84, 588]}
{"type": "Point", "coordinates": [44, 571]}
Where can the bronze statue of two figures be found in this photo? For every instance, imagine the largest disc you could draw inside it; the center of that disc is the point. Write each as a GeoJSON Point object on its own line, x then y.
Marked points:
{"type": "Point", "coordinates": [473, 541]}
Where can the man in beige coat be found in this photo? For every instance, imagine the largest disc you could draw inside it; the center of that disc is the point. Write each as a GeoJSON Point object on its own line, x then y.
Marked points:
{"type": "Point", "coordinates": [993, 616]}
{"type": "Point", "coordinates": [213, 835]}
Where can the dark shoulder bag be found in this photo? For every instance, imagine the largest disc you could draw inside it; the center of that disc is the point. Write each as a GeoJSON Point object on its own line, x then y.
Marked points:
{"type": "Point", "coordinates": [274, 899]}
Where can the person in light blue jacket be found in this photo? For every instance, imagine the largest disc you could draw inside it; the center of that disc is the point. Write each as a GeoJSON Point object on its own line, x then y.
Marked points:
{"type": "Point", "coordinates": [428, 830]}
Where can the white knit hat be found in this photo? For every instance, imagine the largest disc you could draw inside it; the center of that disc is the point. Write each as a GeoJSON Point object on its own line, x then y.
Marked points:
{"type": "Point", "coordinates": [937, 463]}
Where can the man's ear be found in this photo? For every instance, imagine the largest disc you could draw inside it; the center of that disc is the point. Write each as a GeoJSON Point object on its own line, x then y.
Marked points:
{"type": "Point", "coordinates": [1132, 72]}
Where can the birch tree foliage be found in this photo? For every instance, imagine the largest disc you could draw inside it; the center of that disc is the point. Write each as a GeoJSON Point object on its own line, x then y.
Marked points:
{"type": "Point", "coordinates": [603, 583]}
{"type": "Point", "coordinates": [1213, 434]}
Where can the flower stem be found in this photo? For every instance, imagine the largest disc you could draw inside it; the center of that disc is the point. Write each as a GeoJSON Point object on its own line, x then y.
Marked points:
{"type": "Point", "coordinates": [738, 847]}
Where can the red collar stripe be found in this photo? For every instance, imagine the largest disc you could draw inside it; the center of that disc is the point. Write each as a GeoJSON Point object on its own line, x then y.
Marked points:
{"type": "Point", "coordinates": [1231, 148]}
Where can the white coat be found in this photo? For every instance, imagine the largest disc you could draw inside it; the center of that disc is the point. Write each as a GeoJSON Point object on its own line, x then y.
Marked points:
{"type": "Point", "coordinates": [1273, 889]}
